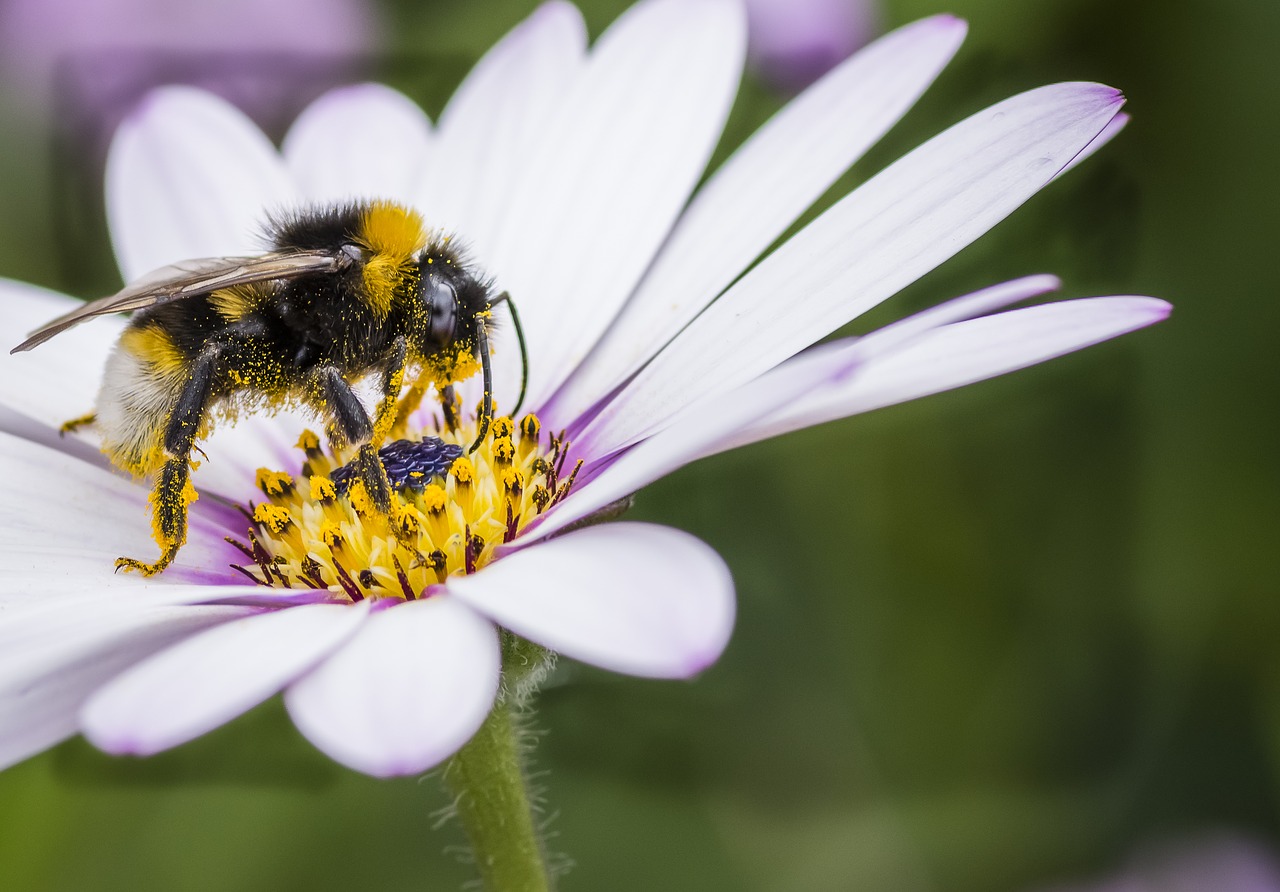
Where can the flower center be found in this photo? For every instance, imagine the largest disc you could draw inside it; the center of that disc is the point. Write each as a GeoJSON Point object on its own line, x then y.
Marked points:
{"type": "Point", "coordinates": [449, 511]}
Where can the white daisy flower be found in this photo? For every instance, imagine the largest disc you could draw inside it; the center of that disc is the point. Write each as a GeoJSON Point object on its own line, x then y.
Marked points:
{"type": "Point", "coordinates": [653, 341]}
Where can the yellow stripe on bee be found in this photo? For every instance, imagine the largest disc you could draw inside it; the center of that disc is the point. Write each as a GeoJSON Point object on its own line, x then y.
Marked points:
{"type": "Point", "coordinates": [393, 234]}
{"type": "Point", "coordinates": [233, 304]}
{"type": "Point", "coordinates": [152, 345]}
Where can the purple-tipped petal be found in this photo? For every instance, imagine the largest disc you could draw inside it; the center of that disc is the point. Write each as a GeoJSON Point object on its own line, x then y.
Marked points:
{"type": "Point", "coordinates": [362, 141]}
{"type": "Point", "coordinates": [188, 175]}
{"type": "Point", "coordinates": [1110, 132]}
{"type": "Point", "coordinates": [42, 688]}
{"type": "Point", "coordinates": [760, 191]}
{"type": "Point", "coordinates": [896, 227]}
{"type": "Point", "coordinates": [411, 687]}
{"type": "Point", "coordinates": [210, 678]}
{"type": "Point", "coordinates": [703, 427]}
{"type": "Point", "coordinates": [635, 598]}
{"type": "Point", "coordinates": [960, 354]}
{"type": "Point", "coordinates": [616, 167]}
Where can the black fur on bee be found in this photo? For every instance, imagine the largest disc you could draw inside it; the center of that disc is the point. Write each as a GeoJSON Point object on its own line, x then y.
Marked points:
{"type": "Point", "coordinates": [344, 292]}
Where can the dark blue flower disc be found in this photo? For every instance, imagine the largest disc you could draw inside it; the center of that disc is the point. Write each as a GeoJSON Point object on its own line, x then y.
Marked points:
{"type": "Point", "coordinates": [410, 464]}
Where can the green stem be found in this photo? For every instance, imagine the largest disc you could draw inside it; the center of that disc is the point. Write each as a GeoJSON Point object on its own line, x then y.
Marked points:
{"type": "Point", "coordinates": [487, 778]}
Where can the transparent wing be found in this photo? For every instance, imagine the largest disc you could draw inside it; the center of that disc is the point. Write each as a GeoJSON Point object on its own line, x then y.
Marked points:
{"type": "Point", "coordinates": [189, 279]}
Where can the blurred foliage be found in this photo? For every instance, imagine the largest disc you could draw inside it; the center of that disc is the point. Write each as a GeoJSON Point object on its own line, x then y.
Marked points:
{"type": "Point", "coordinates": [986, 641]}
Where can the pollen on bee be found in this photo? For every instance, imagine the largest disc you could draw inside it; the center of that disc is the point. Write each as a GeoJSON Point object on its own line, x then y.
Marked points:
{"type": "Point", "coordinates": [320, 528]}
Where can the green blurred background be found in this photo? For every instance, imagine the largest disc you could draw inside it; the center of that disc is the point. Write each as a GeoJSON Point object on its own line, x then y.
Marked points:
{"type": "Point", "coordinates": [993, 640]}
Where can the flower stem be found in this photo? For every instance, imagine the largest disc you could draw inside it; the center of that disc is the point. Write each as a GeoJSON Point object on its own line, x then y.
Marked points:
{"type": "Point", "coordinates": [487, 778]}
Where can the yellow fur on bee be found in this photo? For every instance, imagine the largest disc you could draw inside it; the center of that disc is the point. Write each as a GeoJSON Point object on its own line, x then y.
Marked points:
{"type": "Point", "coordinates": [233, 304]}
{"type": "Point", "coordinates": [152, 345]}
{"type": "Point", "coordinates": [393, 234]}
{"type": "Point", "coordinates": [143, 378]}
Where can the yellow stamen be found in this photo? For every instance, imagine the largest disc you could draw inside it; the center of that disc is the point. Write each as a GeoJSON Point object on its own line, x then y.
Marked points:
{"type": "Point", "coordinates": [273, 483]}
{"type": "Point", "coordinates": [308, 532]}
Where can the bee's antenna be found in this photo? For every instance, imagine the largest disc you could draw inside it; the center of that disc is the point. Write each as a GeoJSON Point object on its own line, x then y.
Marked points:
{"type": "Point", "coordinates": [505, 298]}
{"type": "Point", "coordinates": [486, 409]}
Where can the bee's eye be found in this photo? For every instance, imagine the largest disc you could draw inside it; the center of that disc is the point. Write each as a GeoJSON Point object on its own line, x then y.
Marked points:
{"type": "Point", "coordinates": [442, 311]}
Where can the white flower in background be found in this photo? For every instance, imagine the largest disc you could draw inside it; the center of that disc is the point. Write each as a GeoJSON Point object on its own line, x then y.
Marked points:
{"type": "Point", "coordinates": [1219, 863]}
{"type": "Point", "coordinates": [40, 37]}
{"type": "Point", "coordinates": [569, 172]}
{"type": "Point", "coordinates": [794, 42]}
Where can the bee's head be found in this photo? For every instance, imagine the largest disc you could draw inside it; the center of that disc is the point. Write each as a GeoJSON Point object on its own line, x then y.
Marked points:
{"type": "Point", "coordinates": [453, 299]}
{"type": "Point", "coordinates": [459, 314]}
{"type": "Point", "coordinates": [441, 301]}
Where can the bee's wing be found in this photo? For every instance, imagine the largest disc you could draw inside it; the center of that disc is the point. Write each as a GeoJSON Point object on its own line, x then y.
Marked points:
{"type": "Point", "coordinates": [189, 279]}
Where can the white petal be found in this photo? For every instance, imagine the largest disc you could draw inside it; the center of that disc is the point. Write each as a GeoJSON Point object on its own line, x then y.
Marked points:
{"type": "Point", "coordinates": [235, 452]}
{"type": "Point", "coordinates": [482, 152]}
{"type": "Point", "coordinates": [188, 175]}
{"type": "Point", "coordinates": [759, 192]}
{"type": "Point", "coordinates": [67, 521]}
{"type": "Point", "coordinates": [701, 428]}
{"type": "Point", "coordinates": [211, 678]}
{"type": "Point", "coordinates": [621, 475]}
{"type": "Point", "coordinates": [58, 380]}
{"type": "Point", "coordinates": [411, 687]}
{"type": "Point", "coordinates": [889, 232]}
{"type": "Point", "coordinates": [630, 597]}
{"type": "Point", "coordinates": [606, 185]}
{"type": "Point", "coordinates": [959, 354]}
{"type": "Point", "coordinates": [502, 106]}
{"type": "Point", "coordinates": [41, 695]}
{"type": "Point", "coordinates": [362, 141]}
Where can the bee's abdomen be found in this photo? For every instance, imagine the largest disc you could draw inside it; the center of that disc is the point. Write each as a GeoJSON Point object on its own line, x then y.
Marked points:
{"type": "Point", "coordinates": [144, 376]}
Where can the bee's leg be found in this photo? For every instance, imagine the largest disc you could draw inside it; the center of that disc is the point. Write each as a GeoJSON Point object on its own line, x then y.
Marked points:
{"type": "Point", "coordinates": [173, 490]}
{"type": "Point", "coordinates": [408, 404]}
{"type": "Point", "coordinates": [449, 407]}
{"type": "Point", "coordinates": [351, 422]}
{"type": "Point", "coordinates": [387, 414]}
{"type": "Point", "coordinates": [75, 424]}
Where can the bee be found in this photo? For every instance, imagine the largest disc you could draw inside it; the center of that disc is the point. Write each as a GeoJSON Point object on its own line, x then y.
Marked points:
{"type": "Point", "coordinates": [344, 292]}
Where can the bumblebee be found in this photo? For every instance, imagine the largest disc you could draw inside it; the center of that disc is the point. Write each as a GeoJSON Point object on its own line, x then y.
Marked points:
{"type": "Point", "coordinates": [343, 293]}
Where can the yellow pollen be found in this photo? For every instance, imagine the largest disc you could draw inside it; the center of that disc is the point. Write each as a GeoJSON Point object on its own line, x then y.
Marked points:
{"type": "Point", "coordinates": [463, 471]}
{"type": "Point", "coordinates": [273, 517]}
{"type": "Point", "coordinates": [313, 532]}
{"type": "Point", "coordinates": [322, 490]}
{"type": "Point", "coordinates": [504, 450]}
{"type": "Point", "coordinates": [503, 426]}
{"type": "Point", "coordinates": [273, 483]}
{"type": "Point", "coordinates": [512, 480]}
{"type": "Point", "coordinates": [359, 497]}
{"type": "Point", "coordinates": [434, 499]}
{"type": "Point", "coordinates": [331, 534]}
{"type": "Point", "coordinates": [406, 519]}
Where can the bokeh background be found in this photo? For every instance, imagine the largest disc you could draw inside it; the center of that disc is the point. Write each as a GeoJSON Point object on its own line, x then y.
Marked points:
{"type": "Point", "coordinates": [1021, 636]}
